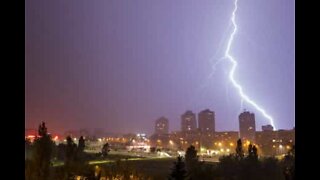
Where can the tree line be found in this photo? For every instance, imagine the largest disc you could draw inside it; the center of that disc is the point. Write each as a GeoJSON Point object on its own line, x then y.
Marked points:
{"type": "Point", "coordinates": [237, 166]}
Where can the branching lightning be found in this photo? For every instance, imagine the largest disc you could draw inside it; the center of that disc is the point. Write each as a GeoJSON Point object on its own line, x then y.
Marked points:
{"type": "Point", "coordinates": [244, 97]}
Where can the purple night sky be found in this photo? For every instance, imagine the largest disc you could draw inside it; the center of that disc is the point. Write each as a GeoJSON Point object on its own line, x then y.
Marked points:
{"type": "Point", "coordinates": [119, 65]}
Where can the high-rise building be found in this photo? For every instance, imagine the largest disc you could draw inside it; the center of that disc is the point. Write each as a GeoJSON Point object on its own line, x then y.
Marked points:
{"type": "Point", "coordinates": [267, 128]}
{"type": "Point", "coordinates": [206, 120]}
{"type": "Point", "coordinates": [247, 126]}
{"type": "Point", "coordinates": [188, 121]}
{"type": "Point", "coordinates": [162, 126]}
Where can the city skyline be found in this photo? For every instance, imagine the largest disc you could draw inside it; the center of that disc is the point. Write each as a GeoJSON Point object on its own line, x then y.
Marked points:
{"type": "Point", "coordinates": [121, 65]}
{"type": "Point", "coordinates": [162, 125]}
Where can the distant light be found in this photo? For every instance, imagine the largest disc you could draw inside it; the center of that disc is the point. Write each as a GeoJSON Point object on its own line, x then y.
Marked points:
{"type": "Point", "coordinates": [228, 150]}
{"type": "Point", "coordinates": [280, 146]}
{"type": "Point", "coordinates": [231, 144]}
{"type": "Point", "coordinates": [248, 142]}
{"type": "Point", "coordinates": [219, 144]}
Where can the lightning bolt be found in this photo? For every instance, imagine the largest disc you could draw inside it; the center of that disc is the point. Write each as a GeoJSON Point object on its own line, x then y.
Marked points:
{"type": "Point", "coordinates": [233, 68]}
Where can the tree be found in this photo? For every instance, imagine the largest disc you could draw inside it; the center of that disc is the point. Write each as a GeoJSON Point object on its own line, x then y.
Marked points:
{"type": "Point", "coordinates": [288, 164]}
{"type": "Point", "coordinates": [229, 166]}
{"type": "Point", "coordinates": [192, 163]}
{"type": "Point", "coordinates": [252, 152]}
{"type": "Point", "coordinates": [42, 130]}
{"type": "Point", "coordinates": [105, 150]}
{"type": "Point", "coordinates": [270, 169]}
{"type": "Point", "coordinates": [61, 151]}
{"type": "Point", "coordinates": [27, 148]}
{"type": "Point", "coordinates": [75, 162]}
{"type": "Point", "coordinates": [255, 151]}
{"type": "Point", "coordinates": [250, 166]}
{"type": "Point", "coordinates": [239, 150]}
{"type": "Point", "coordinates": [81, 144]}
{"type": "Point", "coordinates": [41, 157]}
{"type": "Point", "coordinates": [70, 151]}
{"type": "Point", "coordinates": [178, 172]}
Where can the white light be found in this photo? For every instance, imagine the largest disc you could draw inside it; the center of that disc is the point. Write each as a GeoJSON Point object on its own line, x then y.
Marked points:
{"type": "Point", "coordinates": [234, 65]}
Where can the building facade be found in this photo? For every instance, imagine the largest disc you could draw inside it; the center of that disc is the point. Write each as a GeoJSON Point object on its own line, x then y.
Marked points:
{"type": "Point", "coordinates": [188, 122]}
{"type": "Point", "coordinates": [247, 126]}
{"type": "Point", "coordinates": [162, 126]}
{"type": "Point", "coordinates": [267, 128]}
{"type": "Point", "coordinates": [206, 120]}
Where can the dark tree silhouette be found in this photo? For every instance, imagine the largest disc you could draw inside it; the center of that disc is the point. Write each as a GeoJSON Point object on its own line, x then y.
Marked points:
{"type": "Point", "coordinates": [70, 151]}
{"type": "Point", "coordinates": [239, 150]}
{"type": "Point", "coordinates": [252, 152]}
{"type": "Point", "coordinates": [61, 151]}
{"type": "Point", "coordinates": [81, 144]}
{"type": "Point", "coordinates": [229, 166]}
{"type": "Point", "coordinates": [288, 164]}
{"type": "Point", "coordinates": [41, 157]}
{"type": "Point", "coordinates": [193, 166]}
{"type": "Point", "coordinates": [191, 157]}
{"type": "Point", "coordinates": [42, 130]}
{"type": "Point", "coordinates": [270, 169]}
{"type": "Point", "coordinates": [178, 172]}
{"type": "Point", "coordinates": [105, 150]}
